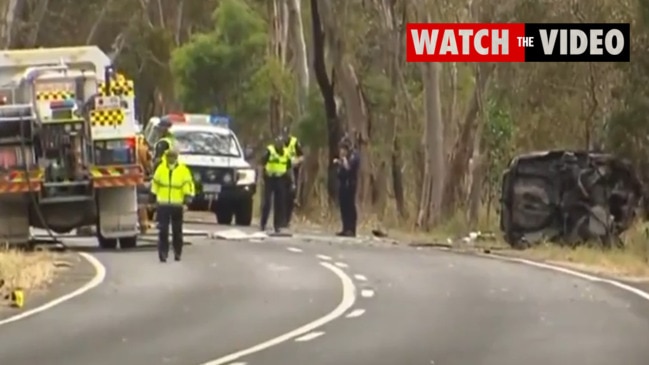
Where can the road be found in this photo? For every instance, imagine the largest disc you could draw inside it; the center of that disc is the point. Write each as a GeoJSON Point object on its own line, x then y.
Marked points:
{"type": "Point", "coordinates": [364, 305]}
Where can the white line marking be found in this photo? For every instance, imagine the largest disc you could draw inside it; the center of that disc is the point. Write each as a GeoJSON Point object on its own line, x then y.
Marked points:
{"type": "Point", "coordinates": [294, 249]}
{"type": "Point", "coordinates": [100, 276]}
{"type": "Point", "coordinates": [309, 336]}
{"type": "Point", "coordinates": [355, 313]}
{"type": "Point", "coordinates": [360, 277]}
{"type": "Point", "coordinates": [642, 294]}
{"type": "Point", "coordinates": [341, 265]}
{"type": "Point", "coordinates": [325, 258]}
{"type": "Point", "coordinates": [367, 293]}
{"type": "Point", "coordinates": [347, 301]}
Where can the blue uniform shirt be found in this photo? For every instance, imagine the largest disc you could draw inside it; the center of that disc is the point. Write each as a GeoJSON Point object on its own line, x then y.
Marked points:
{"type": "Point", "coordinates": [348, 177]}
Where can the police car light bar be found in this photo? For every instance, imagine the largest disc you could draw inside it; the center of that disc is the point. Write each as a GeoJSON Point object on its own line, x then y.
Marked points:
{"type": "Point", "coordinates": [220, 120]}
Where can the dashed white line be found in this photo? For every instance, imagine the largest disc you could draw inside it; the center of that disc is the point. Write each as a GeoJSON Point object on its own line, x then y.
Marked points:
{"type": "Point", "coordinates": [341, 265]}
{"type": "Point", "coordinates": [360, 277]}
{"type": "Point", "coordinates": [294, 249]}
{"type": "Point", "coordinates": [355, 313]}
{"type": "Point", "coordinates": [324, 258]}
{"type": "Point", "coordinates": [309, 336]}
{"type": "Point", "coordinates": [367, 293]}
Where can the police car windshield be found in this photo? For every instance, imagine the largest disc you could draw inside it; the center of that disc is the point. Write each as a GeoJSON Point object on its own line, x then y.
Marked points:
{"type": "Point", "coordinates": [206, 143]}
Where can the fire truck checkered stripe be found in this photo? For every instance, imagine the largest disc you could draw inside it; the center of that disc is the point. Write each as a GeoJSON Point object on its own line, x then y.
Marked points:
{"type": "Point", "coordinates": [54, 95]}
{"type": "Point", "coordinates": [107, 118]}
{"type": "Point", "coordinates": [108, 177]}
{"type": "Point", "coordinates": [118, 87]}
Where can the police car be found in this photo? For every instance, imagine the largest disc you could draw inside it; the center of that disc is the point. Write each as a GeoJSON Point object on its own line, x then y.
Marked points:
{"type": "Point", "coordinates": [225, 181]}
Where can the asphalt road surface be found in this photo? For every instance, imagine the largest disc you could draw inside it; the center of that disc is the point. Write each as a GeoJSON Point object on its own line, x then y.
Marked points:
{"type": "Point", "coordinates": [297, 303]}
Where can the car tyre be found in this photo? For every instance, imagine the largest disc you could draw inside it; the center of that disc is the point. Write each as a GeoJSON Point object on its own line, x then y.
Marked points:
{"type": "Point", "coordinates": [243, 215]}
{"type": "Point", "coordinates": [224, 215]}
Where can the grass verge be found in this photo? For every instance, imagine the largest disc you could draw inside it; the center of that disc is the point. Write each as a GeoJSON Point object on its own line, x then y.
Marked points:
{"type": "Point", "coordinates": [25, 270]}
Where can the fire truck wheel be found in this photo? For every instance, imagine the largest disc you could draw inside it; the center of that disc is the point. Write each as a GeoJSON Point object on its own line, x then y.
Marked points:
{"type": "Point", "coordinates": [224, 215]}
{"type": "Point", "coordinates": [126, 243]}
{"type": "Point", "coordinates": [243, 215]}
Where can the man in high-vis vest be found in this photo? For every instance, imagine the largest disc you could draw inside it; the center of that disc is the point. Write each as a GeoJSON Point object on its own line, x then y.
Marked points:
{"type": "Point", "coordinates": [173, 187]}
{"type": "Point", "coordinates": [276, 165]}
{"type": "Point", "coordinates": [165, 143]}
{"type": "Point", "coordinates": [294, 149]}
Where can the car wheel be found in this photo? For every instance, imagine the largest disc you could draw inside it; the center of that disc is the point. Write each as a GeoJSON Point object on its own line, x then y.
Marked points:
{"type": "Point", "coordinates": [244, 213]}
{"type": "Point", "coordinates": [126, 243]}
{"type": "Point", "coordinates": [224, 215]}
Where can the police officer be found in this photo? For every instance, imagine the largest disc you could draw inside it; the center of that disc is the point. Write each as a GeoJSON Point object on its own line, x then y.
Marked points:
{"type": "Point", "coordinates": [294, 149]}
{"type": "Point", "coordinates": [348, 164]}
{"type": "Point", "coordinates": [166, 141]}
{"type": "Point", "coordinates": [276, 164]}
{"type": "Point", "coordinates": [173, 187]}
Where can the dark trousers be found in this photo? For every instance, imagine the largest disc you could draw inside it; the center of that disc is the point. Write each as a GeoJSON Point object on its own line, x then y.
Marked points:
{"type": "Point", "coordinates": [347, 203]}
{"type": "Point", "coordinates": [275, 195]}
{"type": "Point", "coordinates": [170, 215]}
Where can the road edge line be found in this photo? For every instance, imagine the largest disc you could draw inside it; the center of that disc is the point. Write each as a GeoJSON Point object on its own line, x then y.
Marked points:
{"type": "Point", "coordinates": [96, 280]}
{"type": "Point", "coordinates": [347, 301]}
{"type": "Point", "coordinates": [556, 268]}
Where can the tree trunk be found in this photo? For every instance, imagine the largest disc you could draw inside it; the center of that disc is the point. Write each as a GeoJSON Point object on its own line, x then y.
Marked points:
{"type": "Point", "coordinates": [434, 141]}
{"type": "Point", "coordinates": [10, 14]}
{"type": "Point", "coordinates": [334, 131]}
{"type": "Point", "coordinates": [301, 62]}
{"type": "Point", "coordinates": [463, 148]}
{"type": "Point", "coordinates": [278, 47]}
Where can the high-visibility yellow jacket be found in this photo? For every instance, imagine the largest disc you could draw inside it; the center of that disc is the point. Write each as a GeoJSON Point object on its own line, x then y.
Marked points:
{"type": "Point", "coordinates": [171, 185]}
{"type": "Point", "coordinates": [277, 164]}
{"type": "Point", "coordinates": [292, 147]}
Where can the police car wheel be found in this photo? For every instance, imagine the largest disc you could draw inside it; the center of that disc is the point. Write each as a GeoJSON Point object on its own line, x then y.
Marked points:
{"type": "Point", "coordinates": [243, 215]}
{"type": "Point", "coordinates": [224, 215]}
{"type": "Point", "coordinates": [128, 242]}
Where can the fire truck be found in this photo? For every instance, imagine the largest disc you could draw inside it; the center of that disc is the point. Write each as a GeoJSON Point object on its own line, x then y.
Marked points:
{"type": "Point", "coordinates": [67, 146]}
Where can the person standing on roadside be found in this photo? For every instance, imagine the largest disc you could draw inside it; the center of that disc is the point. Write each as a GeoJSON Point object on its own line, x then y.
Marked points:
{"type": "Point", "coordinates": [276, 165]}
{"type": "Point", "coordinates": [294, 149]}
{"type": "Point", "coordinates": [166, 141]}
{"type": "Point", "coordinates": [173, 188]}
{"type": "Point", "coordinates": [348, 162]}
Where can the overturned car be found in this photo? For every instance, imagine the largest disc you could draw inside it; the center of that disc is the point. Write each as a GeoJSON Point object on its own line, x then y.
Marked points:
{"type": "Point", "coordinates": [567, 197]}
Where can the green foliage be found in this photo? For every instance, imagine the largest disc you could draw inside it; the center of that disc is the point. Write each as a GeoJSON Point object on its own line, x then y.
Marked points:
{"type": "Point", "coordinates": [214, 69]}
{"type": "Point", "coordinates": [498, 134]}
{"type": "Point", "coordinates": [312, 128]}
{"type": "Point", "coordinates": [627, 130]}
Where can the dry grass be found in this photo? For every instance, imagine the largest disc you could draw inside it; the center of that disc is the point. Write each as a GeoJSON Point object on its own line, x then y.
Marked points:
{"type": "Point", "coordinates": [632, 262]}
{"type": "Point", "coordinates": [26, 270]}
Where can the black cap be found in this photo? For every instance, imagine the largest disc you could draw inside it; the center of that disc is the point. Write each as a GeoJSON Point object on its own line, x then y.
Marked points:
{"type": "Point", "coordinates": [345, 142]}
{"type": "Point", "coordinates": [165, 122]}
{"type": "Point", "coordinates": [280, 139]}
